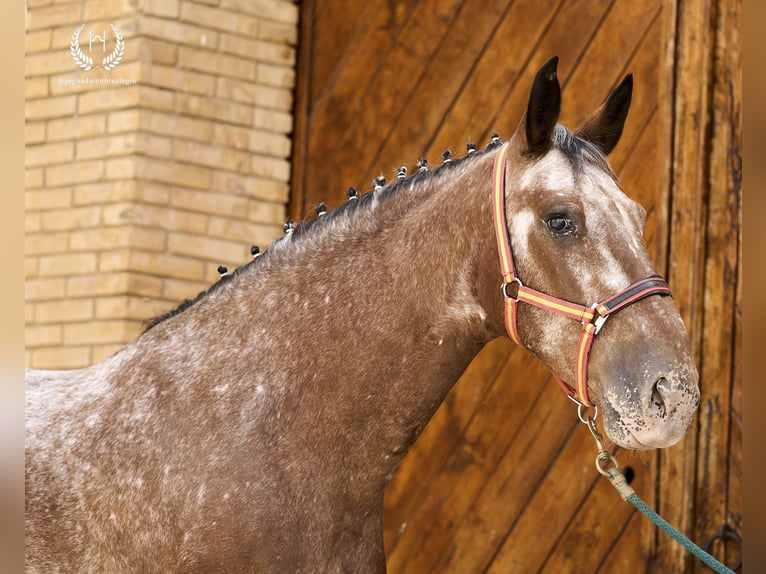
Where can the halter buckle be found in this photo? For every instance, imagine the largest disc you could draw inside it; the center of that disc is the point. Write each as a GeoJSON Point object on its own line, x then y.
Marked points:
{"type": "Point", "coordinates": [598, 320]}
{"type": "Point", "coordinates": [504, 288]}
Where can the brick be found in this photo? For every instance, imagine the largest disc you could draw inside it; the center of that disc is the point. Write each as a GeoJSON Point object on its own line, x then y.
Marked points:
{"type": "Point", "coordinates": [67, 264]}
{"type": "Point", "coordinates": [76, 127]}
{"type": "Point", "coordinates": [123, 121]}
{"type": "Point", "coordinates": [60, 358]}
{"type": "Point", "coordinates": [63, 311]}
{"type": "Point", "coordinates": [251, 93]}
{"type": "Point", "coordinates": [212, 156]}
{"type": "Point", "coordinates": [209, 203]}
{"type": "Point", "coordinates": [118, 214]}
{"type": "Point", "coordinates": [277, 76]}
{"type": "Point", "coordinates": [46, 154]}
{"type": "Point", "coordinates": [157, 99]}
{"type": "Point", "coordinates": [97, 284]}
{"type": "Point", "coordinates": [275, 121]}
{"type": "Point", "coordinates": [181, 80]}
{"type": "Point", "coordinates": [149, 239]}
{"type": "Point", "coordinates": [162, 8]}
{"type": "Point", "coordinates": [279, 33]}
{"type": "Point", "coordinates": [50, 62]}
{"type": "Point", "coordinates": [94, 332]}
{"type": "Point", "coordinates": [45, 243]}
{"type": "Point", "coordinates": [35, 87]}
{"type": "Point", "coordinates": [216, 63]}
{"type": "Point", "coordinates": [168, 218]}
{"type": "Point", "coordinates": [99, 238]}
{"type": "Point", "coordinates": [176, 290]}
{"type": "Point", "coordinates": [215, 109]}
{"type": "Point", "coordinates": [266, 212]}
{"type": "Point", "coordinates": [219, 19]}
{"type": "Point", "coordinates": [251, 187]}
{"type": "Point", "coordinates": [109, 99]}
{"type": "Point", "coordinates": [29, 313]}
{"type": "Point", "coordinates": [144, 286]}
{"type": "Point", "coordinates": [33, 178]}
{"type": "Point", "coordinates": [74, 218]}
{"type": "Point", "coordinates": [154, 145]}
{"type": "Point", "coordinates": [285, 12]}
{"type": "Point", "coordinates": [167, 265]}
{"type": "Point", "coordinates": [258, 50]}
{"type": "Point", "coordinates": [120, 168]}
{"type": "Point", "coordinates": [55, 107]}
{"type": "Point", "coordinates": [271, 167]}
{"type": "Point", "coordinates": [106, 146]}
{"type": "Point", "coordinates": [44, 289]}
{"type": "Point", "coordinates": [39, 41]}
{"type": "Point", "coordinates": [153, 194]}
{"type": "Point", "coordinates": [212, 249]}
{"type": "Point", "coordinates": [247, 232]}
{"type": "Point", "coordinates": [42, 335]}
{"type": "Point", "coordinates": [34, 132]}
{"type": "Point", "coordinates": [180, 126]}
{"type": "Point", "coordinates": [53, 16]}
{"type": "Point", "coordinates": [108, 9]}
{"type": "Point", "coordinates": [128, 307]}
{"type": "Point", "coordinates": [31, 267]}
{"type": "Point", "coordinates": [48, 199]}
{"type": "Point", "coordinates": [103, 192]}
{"type": "Point", "coordinates": [178, 32]}
{"type": "Point", "coordinates": [32, 222]}
{"type": "Point", "coordinates": [172, 172]}
{"type": "Point", "coordinates": [270, 144]}
{"type": "Point", "coordinates": [116, 260]}
{"type": "Point", "coordinates": [256, 141]}
{"type": "Point", "coordinates": [102, 352]}
{"type": "Point", "coordinates": [161, 53]}
{"type": "Point", "coordinates": [87, 171]}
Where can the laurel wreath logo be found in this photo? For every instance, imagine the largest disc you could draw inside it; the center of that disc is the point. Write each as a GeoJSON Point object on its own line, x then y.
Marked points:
{"type": "Point", "coordinates": [86, 62]}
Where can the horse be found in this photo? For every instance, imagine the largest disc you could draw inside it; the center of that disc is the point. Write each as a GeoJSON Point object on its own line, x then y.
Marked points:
{"type": "Point", "coordinates": [255, 427]}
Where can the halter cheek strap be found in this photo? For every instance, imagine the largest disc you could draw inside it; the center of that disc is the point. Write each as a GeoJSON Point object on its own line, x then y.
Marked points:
{"type": "Point", "coordinates": [514, 291]}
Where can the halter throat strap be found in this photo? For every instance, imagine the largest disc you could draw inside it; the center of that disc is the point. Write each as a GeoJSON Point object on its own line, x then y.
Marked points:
{"type": "Point", "coordinates": [514, 292]}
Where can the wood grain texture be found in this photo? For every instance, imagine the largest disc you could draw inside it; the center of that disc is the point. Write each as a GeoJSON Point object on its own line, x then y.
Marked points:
{"type": "Point", "coordinates": [502, 478]}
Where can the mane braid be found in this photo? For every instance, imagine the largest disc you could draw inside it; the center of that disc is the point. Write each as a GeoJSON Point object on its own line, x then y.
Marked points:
{"type": "Point", "coordinates": [349, 208]}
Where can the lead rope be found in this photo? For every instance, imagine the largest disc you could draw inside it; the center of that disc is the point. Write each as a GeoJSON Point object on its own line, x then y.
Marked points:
{"type": "Point", "coordinates": [618, 480]}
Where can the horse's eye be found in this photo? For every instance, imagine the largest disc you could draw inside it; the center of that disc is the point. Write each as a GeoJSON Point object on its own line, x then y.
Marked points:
{"type": "Point", "coordinates": [559, 224]}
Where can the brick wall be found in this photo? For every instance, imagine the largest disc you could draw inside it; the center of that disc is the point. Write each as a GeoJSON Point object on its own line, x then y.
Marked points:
{"type": "Point", "coordinates": [136, 190]}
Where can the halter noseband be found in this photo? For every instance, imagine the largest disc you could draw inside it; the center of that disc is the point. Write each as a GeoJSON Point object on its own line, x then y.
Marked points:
{"type": "Point", "coordinates": [592, 318]}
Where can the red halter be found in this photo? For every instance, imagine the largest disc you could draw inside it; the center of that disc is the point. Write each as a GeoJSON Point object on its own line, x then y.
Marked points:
{"type": "Point", "coordinates": [592, 318]}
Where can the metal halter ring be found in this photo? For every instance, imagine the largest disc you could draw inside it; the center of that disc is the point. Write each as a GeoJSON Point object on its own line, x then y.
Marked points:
{"type": "Point", "coordinates": [504, 288]}
{"type": "Point", "coordinates": [580, 407]}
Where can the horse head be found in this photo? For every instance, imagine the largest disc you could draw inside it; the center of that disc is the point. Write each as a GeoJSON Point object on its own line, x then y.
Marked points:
{"type": "Point", "coordinates": [577, 237]}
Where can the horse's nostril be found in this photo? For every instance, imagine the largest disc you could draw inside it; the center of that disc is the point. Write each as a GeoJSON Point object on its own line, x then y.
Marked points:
{"type": "Point", "coordinates": [660, 391]}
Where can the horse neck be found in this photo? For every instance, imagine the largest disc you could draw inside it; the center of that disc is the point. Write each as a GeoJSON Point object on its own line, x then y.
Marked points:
{"type": "Point", "coordinates": [344, 344]}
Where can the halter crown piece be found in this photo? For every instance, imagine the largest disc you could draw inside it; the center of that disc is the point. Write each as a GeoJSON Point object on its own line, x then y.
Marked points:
{"type": "Point", "coordinates": [592, 318]}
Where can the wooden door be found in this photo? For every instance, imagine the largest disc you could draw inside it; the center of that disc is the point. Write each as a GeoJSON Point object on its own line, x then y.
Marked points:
{"type": "Point", "coordinates": [502, 479]}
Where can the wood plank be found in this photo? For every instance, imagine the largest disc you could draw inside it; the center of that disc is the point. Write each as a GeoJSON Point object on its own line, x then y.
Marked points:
{"type": "Point", "coordinates": [430, 454]}
{"type": "Point", "coordinates": [567, 36]}
{"type": "Point", "coordinates": [412, 129]}
{"type": "Point", "coordinates": [685, 274]}
{"type": "Point", "coordinates": [534, 535]}
{"type": "Point", "coordinates": [496, 421]}
{"type": "Point", "coordinates": [721, 275]}
{"type": "Point", "coordinates": [597, 526]}
{"type": "Point", "coordinates": [523, 467]}
{"type": "Point", "coordinates": [337, 26]}
{"type": "Point", "coordinates": [603, 63]}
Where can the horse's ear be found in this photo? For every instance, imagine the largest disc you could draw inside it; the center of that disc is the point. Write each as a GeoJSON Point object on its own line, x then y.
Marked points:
{"type": "Point", "coordinates": [604, 127]}
{"type": "Point", "coordinates": [543, 108]}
